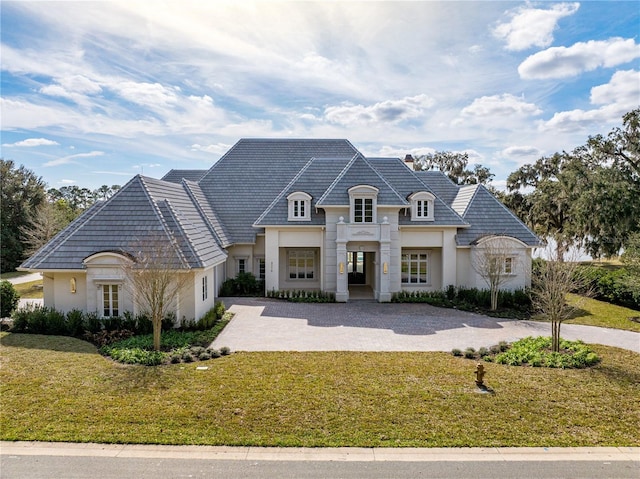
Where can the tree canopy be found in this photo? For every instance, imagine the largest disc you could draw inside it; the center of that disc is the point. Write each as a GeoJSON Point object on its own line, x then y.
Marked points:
{"type": "Point", "coordinates": [22, 194]}
{"type": "Point", "coordinates": [588, 197]}
{"type": "Point", "coordinates": [454, 165]}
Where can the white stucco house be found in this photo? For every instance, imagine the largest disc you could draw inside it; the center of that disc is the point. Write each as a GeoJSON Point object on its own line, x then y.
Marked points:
{"type": "Point", "coordinates": [300, 214]}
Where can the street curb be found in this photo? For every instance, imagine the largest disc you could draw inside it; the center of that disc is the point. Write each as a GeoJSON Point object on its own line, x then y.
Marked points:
{"type": "Point", "coordinates": [351, 454]}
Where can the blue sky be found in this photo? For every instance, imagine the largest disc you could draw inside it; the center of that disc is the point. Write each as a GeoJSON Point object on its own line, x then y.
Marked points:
{"type": "Point", "coordinates": [96, 92]}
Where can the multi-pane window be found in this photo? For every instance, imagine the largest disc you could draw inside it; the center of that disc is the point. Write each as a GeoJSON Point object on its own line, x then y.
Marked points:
{"type": "Point", "coordinates": [205, 288]}
{"type": "Point", "coordinates": [110, 300]}
{"type": "Point", "coordinates": [508, 266]}
{"type": "Point", "coordinates": [261, 268]}
{"type": "Point", "coordinates": [422, 209]}
{"type": "Point", "coordinates": [241, 265]}
{"type": "Point", "coordinates": [301, 264]}
{"type": "Point", "coordinates": [415, 267]}
{"type": "Point", "coordinates": [299, 206]}
{"type": "Point", "coordinates": [422, 206]}
{"type": "Point", "coordinates": [363, 210]}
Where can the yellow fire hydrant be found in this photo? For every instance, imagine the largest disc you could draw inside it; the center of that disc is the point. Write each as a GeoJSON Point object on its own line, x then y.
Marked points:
{"type": "Point", "coordinates": [479, 374]}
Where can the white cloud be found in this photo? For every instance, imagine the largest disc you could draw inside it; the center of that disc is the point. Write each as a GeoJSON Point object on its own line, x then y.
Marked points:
{"type": "Point", "coordinates": [617, 97]}
{"type": "Point", "coordinates": [73, 87]}
{"type": "Point", "coordinates": [150, 95]}
{"type": "Point", "coordinates": [217, 148]}
{"type": "Point", "coordinates": [389, 111]}
{"type": "Point", "coordinates": [521, 154]}
{"type": "Point", "coordinates": [530, 27]}
{"type": "Point", "coordinates": [31, 142]}
{"type": "Point", "coordinates": [562, 62]}
{"type": "Point", "coordinates": [70, 159]}
{"type": "Point", "coordinates": [66, 182]}
{"type": "Point", "coordinates": [505, 105]}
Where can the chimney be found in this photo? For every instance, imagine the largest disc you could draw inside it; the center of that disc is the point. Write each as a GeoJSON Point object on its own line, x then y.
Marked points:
{"type": "Point", "coordinates": [408, 160]}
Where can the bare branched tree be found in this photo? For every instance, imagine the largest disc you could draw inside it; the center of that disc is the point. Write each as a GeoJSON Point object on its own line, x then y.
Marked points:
{"type": "Point", "coordinates": [551, 284]}
{"type": "Point", "coordinates": [494, 260]}
{"type": "Point", "coordinates": [156, 276]}
{"type": "Point", "coordinates": [44, 225]}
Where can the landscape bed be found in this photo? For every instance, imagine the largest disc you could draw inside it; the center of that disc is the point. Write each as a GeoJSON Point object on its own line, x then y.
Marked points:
{"type": "Point", "coordinates": [60, 389]}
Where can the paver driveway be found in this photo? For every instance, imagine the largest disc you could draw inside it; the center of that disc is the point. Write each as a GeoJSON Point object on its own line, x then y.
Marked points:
{"type": "Point", "coordinates": [263, 324]}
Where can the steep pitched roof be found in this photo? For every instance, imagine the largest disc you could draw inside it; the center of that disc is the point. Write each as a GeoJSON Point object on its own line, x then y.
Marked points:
{"type": "Point", "coordinates": [244, 182]}
{"type": "Point", "coordinates": [360, 172]}
{"type": "Point", "coordinates": [140, 213]}
{"type": "Point", "coordinates": [488, 216]}
{"type": "Point", "coordinates": [176, 176]}
{"type": "Point", "coordinates": [407, 182]}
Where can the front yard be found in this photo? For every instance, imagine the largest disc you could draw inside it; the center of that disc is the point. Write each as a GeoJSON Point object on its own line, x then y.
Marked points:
{"type": "Point", "coordinates": [60, 389]}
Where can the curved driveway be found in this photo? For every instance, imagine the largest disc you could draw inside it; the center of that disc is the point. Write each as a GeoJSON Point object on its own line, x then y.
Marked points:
{"type": "Point", "coordinates": [263, 324]}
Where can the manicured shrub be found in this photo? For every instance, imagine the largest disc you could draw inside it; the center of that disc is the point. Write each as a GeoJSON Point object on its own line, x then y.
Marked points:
{"type": "Point", "coordinates": [456, 352]}
{"type": "Point", "coordinates": [470, 353]}
{"type": "Point", "coordinates": [75, 323]}
{"type": "Point", "coordinates": [536, 351]}
{"type": "Point", "coordinates": [92, 322]}
{"type": "Point", "coordinates": [9, 299]}
{"type": "Point", "coordinates": [225, 351]}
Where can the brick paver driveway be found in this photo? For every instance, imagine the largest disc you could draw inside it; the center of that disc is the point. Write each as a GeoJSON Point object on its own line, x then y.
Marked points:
{"type": "Point", "coordinates": [263, 324]}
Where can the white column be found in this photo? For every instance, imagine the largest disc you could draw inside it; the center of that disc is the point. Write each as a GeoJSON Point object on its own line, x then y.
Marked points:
{"type": "Point", "coordinates": [384, 294]}
{"type": "Point", "coordinates": [342, 277]}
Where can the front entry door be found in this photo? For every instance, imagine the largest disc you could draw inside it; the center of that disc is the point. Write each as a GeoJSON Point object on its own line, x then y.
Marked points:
{"type": "Point", "coordinates": [356, 267]}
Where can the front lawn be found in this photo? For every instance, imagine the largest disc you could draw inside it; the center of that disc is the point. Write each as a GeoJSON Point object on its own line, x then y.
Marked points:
{"type": "Point", "coordinates": [606, 315]}
{"type": "Point", "coordinates": [60, 389]}
{"type": "Point", "coordinates": [30, 290]}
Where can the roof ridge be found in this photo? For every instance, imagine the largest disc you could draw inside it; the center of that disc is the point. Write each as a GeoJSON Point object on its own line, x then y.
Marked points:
{"type": "Point", "coordinates": [179, 220]}
{"type": "Point", "coordinates": [188, 185]}
{"type": "Point", "coordinates": [158, 213]}
{"type": "Point", "coordinates": [384, 180]}
{"type": "Point", "coordinates": [79, 222]}
{"type": "Point", "coordinates": [281, 194]}
{"type": "Point", "coordinates": [339, 177]}
{"type": "Point", "coordinates": [486, 190]}
{"type": "Point", "coordinates": [449, 207]}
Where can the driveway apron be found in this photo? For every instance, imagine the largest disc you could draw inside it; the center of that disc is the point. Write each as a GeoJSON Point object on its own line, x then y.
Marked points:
{"type": "Point", "coordinates": [262, 324]}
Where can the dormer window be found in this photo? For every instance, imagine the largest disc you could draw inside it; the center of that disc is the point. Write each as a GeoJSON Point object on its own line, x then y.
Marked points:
{"type": "Point", "coordinates": [421, 206]}
{"type": "Point", "coordinates": [299, 206]}
{"type": "Point", "coordinates": [363, 204]}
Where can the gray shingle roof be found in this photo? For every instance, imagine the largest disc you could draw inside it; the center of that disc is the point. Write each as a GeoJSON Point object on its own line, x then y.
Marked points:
{"type": "Point", "coordinates": [488, 216]}
{"type": "Point", "coordinates": [248, 187]}
{"type": "Point", "coordinates": [244, 182]}
{"type": "Point", "coordinates": [407, 182]}
{"type": "Point", "coordinates": [140, 213]}
{"type": "Point", "coordinates": [176, 176]}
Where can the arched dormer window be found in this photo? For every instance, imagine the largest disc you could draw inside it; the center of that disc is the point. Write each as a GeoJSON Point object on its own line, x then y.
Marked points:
{"type": "Point", "coordinates": [299, 206]}
{"type": "Point", "coordinates": [421, 206]}
{"type": "Point", "coordinates": [364, 201]}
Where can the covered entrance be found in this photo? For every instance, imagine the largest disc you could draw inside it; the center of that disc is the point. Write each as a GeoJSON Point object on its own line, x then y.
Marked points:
{"type": "Point", "coordinates": [360, 272]}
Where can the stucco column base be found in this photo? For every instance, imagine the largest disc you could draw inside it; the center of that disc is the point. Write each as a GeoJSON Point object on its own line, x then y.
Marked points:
{"type": "Point", "coordinates": [342, 297]}
{"type": "Point", "coordinates": [384, 298]}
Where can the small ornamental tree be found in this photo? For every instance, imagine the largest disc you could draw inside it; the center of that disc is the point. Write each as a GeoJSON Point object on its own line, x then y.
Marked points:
{"type": "Point", "coordinates": [552, 282]}
{"type": "Point", "coordinates": [156, 276]}
{"type": "Point", "coordinates": [9, 299]}
{"type": "Point", "coordinates": [494, 260]}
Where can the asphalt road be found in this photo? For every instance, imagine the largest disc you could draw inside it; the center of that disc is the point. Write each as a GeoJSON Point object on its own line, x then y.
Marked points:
{"type": "Point", "coordinates": [51, 467]}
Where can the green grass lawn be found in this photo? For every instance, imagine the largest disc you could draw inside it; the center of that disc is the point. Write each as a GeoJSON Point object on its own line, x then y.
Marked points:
{"type": "Point", "coordinates": [31, 290]}
{"type": "Point", "coordinates": [60, 389]}
{"type": "Point", "coordinates": [599, 313]}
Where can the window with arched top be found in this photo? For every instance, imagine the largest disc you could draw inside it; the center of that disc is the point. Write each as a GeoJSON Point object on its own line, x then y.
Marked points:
{"type": "Point", "coordinates": [299, 206]}
{"type": "Point", "coordinates": [363, 201]}
{"type": "Point", "coordinates": [422, 206]}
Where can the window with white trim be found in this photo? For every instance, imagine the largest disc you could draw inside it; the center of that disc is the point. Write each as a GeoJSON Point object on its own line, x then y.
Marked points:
{"type": "Point", "coordinates": [299, 206]}
{"type": "Point", "coordinates": [414, 267]}
{"type": "Point", "coordinates": [363, 200]}
{"type": "Point", "coordinates": [508, 266]}
{"type": "Point", "coordinates": [302, 264]}
{"type": "Point", "coordinates": [421, 206]}
{"type": "Point", "coordinates": [241, 265]}
{"type": "Point", "coordinates": [261, 268]}
{"type": "Point", "coordinates": [110, 300]}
